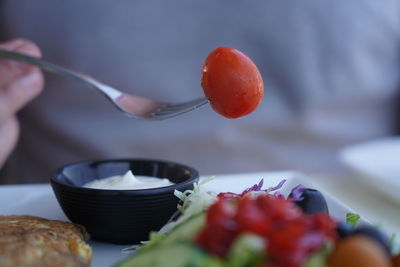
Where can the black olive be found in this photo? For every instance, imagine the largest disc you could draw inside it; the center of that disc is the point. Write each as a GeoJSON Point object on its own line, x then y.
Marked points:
{"type": "Point", "coordinates": [312, 202]}
{"type": "Point", "coordinates": [343, 229]}
{"type": "Point", "coordinates": [375, 234]}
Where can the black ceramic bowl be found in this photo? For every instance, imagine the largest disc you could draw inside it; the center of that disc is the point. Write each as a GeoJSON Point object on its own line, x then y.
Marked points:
{"type": "Point", "coordinates": [120, 216]}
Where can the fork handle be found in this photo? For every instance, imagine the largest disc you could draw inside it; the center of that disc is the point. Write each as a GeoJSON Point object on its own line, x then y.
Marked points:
{"type": "Point", "coordinates": [67, 73]}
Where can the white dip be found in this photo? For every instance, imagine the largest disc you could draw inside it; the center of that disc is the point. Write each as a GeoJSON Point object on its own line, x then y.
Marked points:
{"type": "Point", "coordinates": [128, 181]}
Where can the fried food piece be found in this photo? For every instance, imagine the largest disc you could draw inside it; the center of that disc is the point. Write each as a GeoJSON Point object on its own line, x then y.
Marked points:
{"type": "Point", "coordinates": [33, 241]}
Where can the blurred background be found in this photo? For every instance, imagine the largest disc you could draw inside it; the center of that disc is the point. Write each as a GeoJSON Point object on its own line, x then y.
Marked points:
{"type": "Point", "coordinates": [331, 71]}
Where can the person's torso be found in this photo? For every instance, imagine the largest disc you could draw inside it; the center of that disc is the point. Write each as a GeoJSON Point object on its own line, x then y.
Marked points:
{"type": "Point", "coordinates": [331, 71]}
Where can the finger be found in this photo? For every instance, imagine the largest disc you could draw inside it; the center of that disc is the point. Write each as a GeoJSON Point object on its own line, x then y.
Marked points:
{"type": "Point", "coordinates": [9, 132]}
{"type": "Point", "coordinates": [19, 82]}
{"type": "Point", "coordinates": [13, 44]}
{"type": "Point", "coordinates": [16, 93]}
{"type": "Point", "coordinates": [23, 46]}
{"type": "Point", "coordinates": [10, 67]}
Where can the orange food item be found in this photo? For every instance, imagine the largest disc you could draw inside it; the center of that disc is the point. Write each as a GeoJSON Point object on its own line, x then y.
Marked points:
{"type": "Point", "coordinates": [231, 82]}
{"type": "Point", "coordinates": [359, 251]}
{"type": "Point", "coordinates": [396, 261]}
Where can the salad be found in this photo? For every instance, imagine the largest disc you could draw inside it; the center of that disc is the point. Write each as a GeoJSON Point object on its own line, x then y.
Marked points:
{"type": "Point", "coordinates": [263, 228]}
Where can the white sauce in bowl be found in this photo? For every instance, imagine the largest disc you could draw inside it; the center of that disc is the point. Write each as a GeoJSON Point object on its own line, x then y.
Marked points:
{"type": "Point", "coordinates": [128, 181]}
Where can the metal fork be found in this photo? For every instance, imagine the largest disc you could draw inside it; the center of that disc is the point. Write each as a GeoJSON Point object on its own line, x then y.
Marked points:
{"type": "Point", "coordinates": [134, 106]}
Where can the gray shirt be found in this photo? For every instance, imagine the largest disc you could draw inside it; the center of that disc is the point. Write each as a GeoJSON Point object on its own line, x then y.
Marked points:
{"type": "Point", "coordinates": [331, 71]}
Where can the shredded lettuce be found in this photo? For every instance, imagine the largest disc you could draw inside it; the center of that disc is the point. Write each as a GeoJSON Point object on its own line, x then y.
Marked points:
{"type": "Point", "coordinates": [352, 219]}
{"type": "Point", "coordinates": [193, 202]}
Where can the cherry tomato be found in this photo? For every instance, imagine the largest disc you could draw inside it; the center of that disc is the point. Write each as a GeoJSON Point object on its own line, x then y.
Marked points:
{"type": "Point", "coordinates": [289, 235]}
{"type": "Point", "coordinates": [231, 82]}
{"type": "Point", "coordinates": [220, 211]}
{"type": "Point", "coordinates": [251, 218]}
{"type": "Point", "coordinates": [217, 238]}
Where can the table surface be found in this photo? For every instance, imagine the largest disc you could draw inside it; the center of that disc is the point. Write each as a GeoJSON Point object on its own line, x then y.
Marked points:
{"type": "Point", "coordinates": [39, 200]}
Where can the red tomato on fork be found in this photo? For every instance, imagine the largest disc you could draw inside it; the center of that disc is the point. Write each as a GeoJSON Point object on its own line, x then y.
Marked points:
{"type": "Point", "coordinates": [231, 82]}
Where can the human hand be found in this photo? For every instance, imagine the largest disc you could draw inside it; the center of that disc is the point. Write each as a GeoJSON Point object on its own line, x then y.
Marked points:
{"type": "Point", "coordinates": [19, 84]}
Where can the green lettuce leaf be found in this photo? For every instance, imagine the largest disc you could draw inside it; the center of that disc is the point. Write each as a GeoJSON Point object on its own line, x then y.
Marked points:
{"type": "Point", "coordinates": [352, 219]}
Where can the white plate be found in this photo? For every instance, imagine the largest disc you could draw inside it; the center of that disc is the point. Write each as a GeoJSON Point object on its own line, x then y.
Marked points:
{"type": "Point", "coordinates": [377, 163]}
{"type": "Point", "coordinates": [39, 200]}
